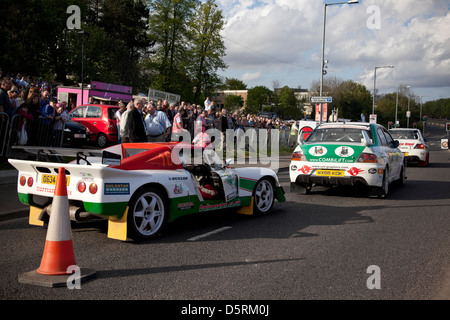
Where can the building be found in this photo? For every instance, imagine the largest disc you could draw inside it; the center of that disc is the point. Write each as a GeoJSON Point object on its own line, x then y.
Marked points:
{"type": "Point", "coordinates": [219, 97]}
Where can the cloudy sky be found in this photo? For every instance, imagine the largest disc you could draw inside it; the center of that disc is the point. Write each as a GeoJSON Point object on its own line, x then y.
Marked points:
{"type": "Point", "coordinates": [280, 40]}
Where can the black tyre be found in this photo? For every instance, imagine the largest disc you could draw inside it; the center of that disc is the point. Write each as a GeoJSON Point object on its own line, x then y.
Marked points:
{"type": "Point", "coordinates": [147, 214]}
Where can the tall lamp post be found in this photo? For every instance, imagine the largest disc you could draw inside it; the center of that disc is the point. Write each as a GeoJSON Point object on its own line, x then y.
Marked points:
{"type": "Point", "coordinates": [374, 85]}
{"type": "Point", "coordinates": [84, 35]}
{"type": "Point", "coordinates": [322, 66]}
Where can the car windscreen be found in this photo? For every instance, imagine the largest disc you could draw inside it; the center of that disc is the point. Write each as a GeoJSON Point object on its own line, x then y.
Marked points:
{"type": "Point", "coordinates": [338, 135]}
{"type": "Point", "coordinates": [404, 134]}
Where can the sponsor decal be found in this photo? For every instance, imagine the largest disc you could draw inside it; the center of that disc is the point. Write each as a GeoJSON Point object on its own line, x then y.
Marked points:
{"type": "Point", "coordinates": [185, 206]}
{"type": "Point", "coordinates": [294, 167]}
{"type": "Point", "coordinates": [354, 171]}
{"type": "Point", "coordinates": [178, 189]}
{"type": "Point", "coordinates": [318, 151]}
{"type": "Point", "coordinates": [372, 170]}
{"type": "Point", "coordinates": [117, 188]}
{"type": "Point", "coordinates": [50, 190]}
{"type": "Point", "coordinates": [223, 205]}
{"type": "Point", "coordinates": [177, 178]}
{"type": "Point", "coordinates": [344, 151]}
{"type": "Point", "coordinates": [305, 169]}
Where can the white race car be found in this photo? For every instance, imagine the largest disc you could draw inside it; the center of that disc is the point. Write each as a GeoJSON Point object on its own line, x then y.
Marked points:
{"type": "Point", "coordinates": [412, 144]}
{"type": "Point", "coordinates": [139, 187]}
{"type": "Point", "coordinates": [355, 154]}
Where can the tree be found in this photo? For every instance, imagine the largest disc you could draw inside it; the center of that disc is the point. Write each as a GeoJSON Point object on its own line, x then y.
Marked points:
{"type": "Point", "coordinates": [233, 102]}
{"type": "Point", "coordinates": [207, 48]}
{"type": "Point", "coordinates": [234, 84]}
{"type": "Point", "coordinates": [256, 97]}
{"type": "Point", "coordinates": [169, 20]}
{"type": "Point", "coordinates": [288, 108]}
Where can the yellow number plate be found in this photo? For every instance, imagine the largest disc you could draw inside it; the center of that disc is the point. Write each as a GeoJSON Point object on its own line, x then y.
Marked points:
{"type": "Point", "coordinates": [51, 179]}
{"type": "Point", "coordinates": [330, 173]}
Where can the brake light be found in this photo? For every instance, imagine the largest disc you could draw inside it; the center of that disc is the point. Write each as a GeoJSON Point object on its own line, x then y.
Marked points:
{"type": "Point", "coordinates": [419, 146]}
{"type": "Point", "coordinates": [23, 180]}
{"type": "Point", "coordinates": [93, 188]}
{"type": "Point", "coordinates": [81, 187]}
{"type": "Point", "coordinates": [367, 158]}
{"type": "Point", "coordinates": [298, 156]}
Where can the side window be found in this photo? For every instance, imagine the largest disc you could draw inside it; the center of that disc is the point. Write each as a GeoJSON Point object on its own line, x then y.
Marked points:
{"type": "Point", "coordinates": [381, 137]}
{"type": "Point", "coordinates": [78, 112]}
{"type": "Point", "coordinates": [94, 112]}
{"type": "Point", "coordinates": [389, 139]}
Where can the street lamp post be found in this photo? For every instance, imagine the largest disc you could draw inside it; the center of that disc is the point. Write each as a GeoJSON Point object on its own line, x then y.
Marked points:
{"type": "Point", "coordinates": [84, 35]}
{"type": "Point", "coordinates": [322, 66]}
{"type": "Point", "coordinates": [374, 85]}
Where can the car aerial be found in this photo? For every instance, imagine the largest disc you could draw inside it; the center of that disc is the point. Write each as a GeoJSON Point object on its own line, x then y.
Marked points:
{"type": "Point", "coordinates": [140, 187]}
{"type": "Point", "coordinates": [412, 144]}
{"type": "Point", "coordinates": [100, 121]}
{"type": "Point", "coordinates": [75, 134]}
{"type": "Point", "coordinates": [354, 154]}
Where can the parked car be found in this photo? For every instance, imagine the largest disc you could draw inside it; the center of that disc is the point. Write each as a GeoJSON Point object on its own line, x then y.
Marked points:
{"type": "Point", "coordinates": [99, 119]}
{"type": "Point", "coordinates": [412, 144]}
{"type": "Point", "coordinates": [140, 187]}
{"type": "Point", "coordinates": [75, 134]}
{"type": "Point", "coordinates": [355, 154]}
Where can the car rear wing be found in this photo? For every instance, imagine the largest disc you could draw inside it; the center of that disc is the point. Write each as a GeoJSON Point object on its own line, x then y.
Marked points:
{"type": "Point", "coordinates": [49, 154]}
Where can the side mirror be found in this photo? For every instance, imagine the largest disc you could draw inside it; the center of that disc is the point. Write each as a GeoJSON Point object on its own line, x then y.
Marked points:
{"type": "Point", "coordinates": [394, 144]}
{"type": "Point", "coordinates": [228, 162]}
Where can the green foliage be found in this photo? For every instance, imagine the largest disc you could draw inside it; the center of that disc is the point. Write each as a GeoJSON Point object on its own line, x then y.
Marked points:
{"type": "Point", "coordinates": [256, 97]}
{"type": "Point", "coordinates": [233, 102]}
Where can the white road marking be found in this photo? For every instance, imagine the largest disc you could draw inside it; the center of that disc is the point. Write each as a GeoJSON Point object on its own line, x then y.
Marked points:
{"type": "Point", "coordinates": [208, 234]}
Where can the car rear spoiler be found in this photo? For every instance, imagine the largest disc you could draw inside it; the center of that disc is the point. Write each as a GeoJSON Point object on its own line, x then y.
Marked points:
{"type": "Point", "coordinates": [44, 153]}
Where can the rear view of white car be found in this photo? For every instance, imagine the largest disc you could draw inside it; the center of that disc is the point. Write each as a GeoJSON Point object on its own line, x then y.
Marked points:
{"type": "Point", "coordinates": [412, 144]}
{"type": "Point", "coordinates": [352, 154]}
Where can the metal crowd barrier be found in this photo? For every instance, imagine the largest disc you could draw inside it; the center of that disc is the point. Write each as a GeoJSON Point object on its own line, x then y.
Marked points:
{"type": "Point", "coordinates": [40, 132]}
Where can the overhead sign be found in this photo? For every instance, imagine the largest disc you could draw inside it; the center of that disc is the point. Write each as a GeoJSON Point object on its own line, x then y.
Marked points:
{"type": "Point", "coordinates": [321, 99]}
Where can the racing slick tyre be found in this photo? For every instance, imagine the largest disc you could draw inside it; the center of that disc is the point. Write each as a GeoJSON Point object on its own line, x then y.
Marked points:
{"type": "Point", "coordinates": [147, 214]}
{"type": "Point", "coordinates": [263, 196]}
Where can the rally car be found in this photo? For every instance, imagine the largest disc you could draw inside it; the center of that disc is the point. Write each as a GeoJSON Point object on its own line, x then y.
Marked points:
{"type": "Point", "coordinates": [412, 144]}
{"type": "Point", "coordinates": [355, 154]}
{"type": "Point", "coordinates": [140, 187]}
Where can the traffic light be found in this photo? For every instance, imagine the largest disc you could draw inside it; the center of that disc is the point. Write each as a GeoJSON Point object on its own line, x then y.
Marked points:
{"type": "Point", "coordinates": [447, 126]}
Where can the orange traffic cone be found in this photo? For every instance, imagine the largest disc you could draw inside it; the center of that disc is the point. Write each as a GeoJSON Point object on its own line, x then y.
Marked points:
{"type": "Point", "coordinates": [58, 252]}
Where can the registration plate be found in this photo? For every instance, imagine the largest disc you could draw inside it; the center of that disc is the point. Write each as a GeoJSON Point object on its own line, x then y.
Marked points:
{"type": "Point", "coordinates": [330, 173]}
{"type": "Point", "coordinates": [79, 135]}
{"type": "Point", "coordinates": [51, 179]}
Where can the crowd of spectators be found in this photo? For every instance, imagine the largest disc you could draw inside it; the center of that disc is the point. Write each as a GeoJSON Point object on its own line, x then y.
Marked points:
{"type": "Point", "coordinates": [40, 117]}
{"type": "Point", "coordinates": [31, 107]}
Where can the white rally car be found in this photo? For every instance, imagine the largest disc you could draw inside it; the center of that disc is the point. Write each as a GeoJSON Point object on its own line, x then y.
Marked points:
{"type": "Point", "coordinates": [412, 144]}
{"type": "Point", "coordinates": [356, 154]}
{"type": "Point", "coordinates": [139, 187]}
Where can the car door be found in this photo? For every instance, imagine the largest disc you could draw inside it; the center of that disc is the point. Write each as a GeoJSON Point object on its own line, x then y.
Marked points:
{"type": "Point", "coordinates": [229, 182]}
{"type": "Point", "coordinates": [393, 152]}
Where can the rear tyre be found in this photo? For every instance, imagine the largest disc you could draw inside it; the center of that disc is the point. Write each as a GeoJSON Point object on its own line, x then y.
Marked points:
{"type": "Point", "coordinates": [147, 214]}
{"type": "Point", "coordinates": [102, 140]}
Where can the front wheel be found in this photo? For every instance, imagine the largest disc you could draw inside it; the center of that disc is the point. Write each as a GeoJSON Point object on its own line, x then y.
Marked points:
{"type": "Point", "coordinates": [147, 214]}
{"type": "Point", "coordinates": [264, 196]}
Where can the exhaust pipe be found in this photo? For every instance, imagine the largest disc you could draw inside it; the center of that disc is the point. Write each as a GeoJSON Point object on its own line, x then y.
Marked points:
{"type": "Point", "coordinates": [75, 213]}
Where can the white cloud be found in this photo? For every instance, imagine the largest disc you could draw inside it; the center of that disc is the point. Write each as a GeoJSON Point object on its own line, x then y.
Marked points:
{"type": "Point", "coordinates": [281, 40]}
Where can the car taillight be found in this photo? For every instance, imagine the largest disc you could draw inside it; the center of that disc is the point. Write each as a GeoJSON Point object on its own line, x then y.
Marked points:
{"type": "Point", "coordinates": [367, 157]}
{"type": "Point", "coordinates": [23, 180]}
{"type": "Point", "coordinates": [298, 156]}
{"type": "Point", "coordinates": [112, 125]}
{"type": "Point", "coordinates": [93, 188]}
{"type": "Point", "coordinates": [81, 186]}
{"type": "Point", "coordinates": [419, 146]}
{"type": "Point", "coordinates": [30, 181]}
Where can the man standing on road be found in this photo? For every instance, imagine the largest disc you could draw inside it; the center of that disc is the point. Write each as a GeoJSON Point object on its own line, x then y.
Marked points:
{"type": "Point", "coordinates": [157, 124]}
{"type": "Point", "coordinates": [135, 122]}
